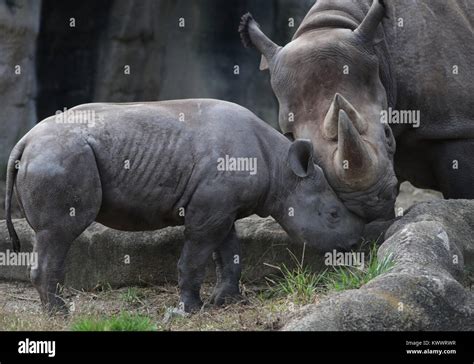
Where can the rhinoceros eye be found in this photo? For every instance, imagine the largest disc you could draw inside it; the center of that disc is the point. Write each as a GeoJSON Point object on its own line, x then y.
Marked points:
{"type": "Point", "coordinates": [389, 137]}
{"type": "Point", "coordinates": [388, 132]}
{"type": "Point", "coordinates": [333, 215]}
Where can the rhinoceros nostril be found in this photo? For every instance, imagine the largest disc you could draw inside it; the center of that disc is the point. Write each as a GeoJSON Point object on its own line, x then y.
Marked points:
{"type": "Point", "coordinates": [349, 246]}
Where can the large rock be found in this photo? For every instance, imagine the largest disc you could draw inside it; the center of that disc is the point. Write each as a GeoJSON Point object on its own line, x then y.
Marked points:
{"type": "Point", "coordinates": [19, 24]}
{"type": "Point", "coordinates": [427, 289]}
{"type": "Point", "coordinates": [105, 256]}
{"type": "Point", "coordinates": [410, 195]}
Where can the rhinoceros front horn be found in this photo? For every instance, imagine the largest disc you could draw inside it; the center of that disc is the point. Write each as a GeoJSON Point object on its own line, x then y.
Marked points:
{"type": "Point", "coordinates": [331, 121]}
{"type": "Point", "coordinates": [368, 28]}
{"type": "Point", "coordinates": [353, 158]}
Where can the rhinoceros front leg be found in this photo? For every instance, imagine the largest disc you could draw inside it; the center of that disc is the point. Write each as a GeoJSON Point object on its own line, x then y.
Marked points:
{"type": "Point", "coordinates": [199, 244]}
{"type": "Point", "coordinates": [228, 270]}
{"type": "Point", "coordinates": [191, 271]}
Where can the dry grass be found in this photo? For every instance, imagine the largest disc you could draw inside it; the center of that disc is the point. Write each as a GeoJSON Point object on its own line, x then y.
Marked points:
{"type": "Point", "coordinates": [20, 309]}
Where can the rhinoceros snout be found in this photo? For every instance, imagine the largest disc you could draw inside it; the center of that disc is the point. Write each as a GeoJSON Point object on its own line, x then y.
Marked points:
{"type": "Point", "coordinates": [349, 245]}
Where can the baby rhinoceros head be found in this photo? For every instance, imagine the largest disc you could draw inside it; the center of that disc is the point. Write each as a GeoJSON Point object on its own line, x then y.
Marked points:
{"type": "Point", "coordinates": [311, 212]}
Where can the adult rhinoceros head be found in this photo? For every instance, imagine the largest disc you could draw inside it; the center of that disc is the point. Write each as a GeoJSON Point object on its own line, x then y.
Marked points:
{"type": "Point", "coordinates": [328, 86]}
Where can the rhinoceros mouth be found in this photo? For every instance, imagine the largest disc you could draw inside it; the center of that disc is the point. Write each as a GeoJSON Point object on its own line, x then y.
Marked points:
{"type": "Point", "coordinates": [375, 202]}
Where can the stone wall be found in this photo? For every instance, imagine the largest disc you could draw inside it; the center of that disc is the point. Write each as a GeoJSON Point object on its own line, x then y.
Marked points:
{"type": "Point", "coordinates": [19, 25]}
{"type": "Point", "coordinates": [174, 49]}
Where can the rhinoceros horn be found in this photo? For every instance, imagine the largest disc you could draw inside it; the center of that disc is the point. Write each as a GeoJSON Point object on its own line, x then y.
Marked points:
{"type": "Point", "coordinates": [353, 159]}
{"type": "Point", "coordinates": [331, 121]}
{"type": "Point", "coordinates": [368, 28]}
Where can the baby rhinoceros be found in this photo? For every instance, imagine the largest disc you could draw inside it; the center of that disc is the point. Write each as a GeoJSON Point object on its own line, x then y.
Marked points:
{"type": "Point", "coordinates": [144, 166]}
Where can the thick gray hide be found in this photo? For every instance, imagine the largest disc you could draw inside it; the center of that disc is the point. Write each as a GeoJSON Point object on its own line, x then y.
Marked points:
{"type": "Point", "coordinates": [427, 289]}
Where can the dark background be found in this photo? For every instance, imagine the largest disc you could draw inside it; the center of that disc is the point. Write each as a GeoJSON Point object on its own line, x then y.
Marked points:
{"type": "Point", "coordinates": [86, 63]}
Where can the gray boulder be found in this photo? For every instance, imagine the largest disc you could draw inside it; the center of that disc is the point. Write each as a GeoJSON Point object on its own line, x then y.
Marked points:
{"type": "Point", "coordinates": [409, 196]}
{"type": "Point", "coordinates": [427, 289]}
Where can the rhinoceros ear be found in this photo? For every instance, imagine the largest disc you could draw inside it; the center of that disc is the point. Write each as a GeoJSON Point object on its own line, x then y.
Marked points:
{"type": "Point", "coordinates": [367, 30]}
{"type": "Point", "coordinates": [252, 36]}
{"type": "Point", "coordinates": [300, 158]}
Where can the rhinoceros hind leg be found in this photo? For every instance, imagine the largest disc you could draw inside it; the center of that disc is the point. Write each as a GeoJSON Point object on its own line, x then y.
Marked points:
{"type": "Point", "coordinates": [227, 259]}
{"type": "Point", "coordinates": [48, 275]}
{"type": "Point", "coordinates": [61, 196]}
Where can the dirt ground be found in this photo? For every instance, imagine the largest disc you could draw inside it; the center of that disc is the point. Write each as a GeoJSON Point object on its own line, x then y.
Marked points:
{"type": "Point", "coordinates": [20, 309]}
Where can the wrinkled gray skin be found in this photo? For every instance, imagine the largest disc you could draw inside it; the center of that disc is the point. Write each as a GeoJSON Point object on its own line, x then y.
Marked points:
{"type": "Point", "coordinates": [406, 68]}
{"type": "Point", "coordinates": [173, 164]}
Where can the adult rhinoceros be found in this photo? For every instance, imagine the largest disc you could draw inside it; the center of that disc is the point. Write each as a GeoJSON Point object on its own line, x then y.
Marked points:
{"type": "Point", "coordinates": [353, 63]}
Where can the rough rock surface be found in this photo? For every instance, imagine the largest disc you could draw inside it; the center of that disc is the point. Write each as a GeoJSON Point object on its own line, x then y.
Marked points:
{"type": "Point", "coordinates": [106, 256]}
{"type": "Point", "coordinates": [410, 195]}
{"type": "Point", "coordinates": [427, 289]}
{"type": "Point", "coordinates": [19, 24]}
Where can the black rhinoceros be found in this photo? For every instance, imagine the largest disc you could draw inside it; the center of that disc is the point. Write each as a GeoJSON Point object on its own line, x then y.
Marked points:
{"type": "Point", "coordinates": [359, 76]}
{"type": "Point", "coordinates": [144, 166]}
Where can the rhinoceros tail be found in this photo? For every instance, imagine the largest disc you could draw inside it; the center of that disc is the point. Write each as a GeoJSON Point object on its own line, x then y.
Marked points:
{"type": "Point", "coordinates": [12, 169]}
{"type": "Point", "coordinates": [244, 30]}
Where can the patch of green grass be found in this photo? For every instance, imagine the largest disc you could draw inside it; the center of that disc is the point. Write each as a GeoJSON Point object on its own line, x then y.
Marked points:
{"type": "Point", "coordinates": [299, 283]}
{"type": "Point", "coordinates": [133, 296]}
{"type": "Point", "coordinates": [123, 322]}
{"type": "Point", "coordinates": [343, 278]}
